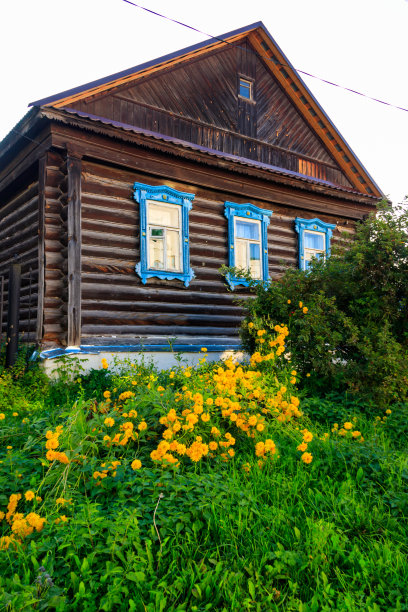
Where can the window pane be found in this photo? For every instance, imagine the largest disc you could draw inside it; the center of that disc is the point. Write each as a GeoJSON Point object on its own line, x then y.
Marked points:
{"type": "Point", "coordinates": [156, 253]}
{"type": "Point", "coordinates": [255, 260]}
{"type": "Point", "coordinates": [240, 254]}
{"type": "Point", "coordinates": [314, 240]}
{"type": "Point", "coordinates": [255, 268]}
{"type": "Point", "coordinates": [245, 89]}
{"type": "Point", "coordinates": [167, 216]}
{"type": "Point", "coordinates": [173, 250]}
{"type": "Point", "coordinates": [246, 229]}
{"type": "Point", "coordinates": [254, 251]}
{"type": "Point", "coordinates": [156, 232]}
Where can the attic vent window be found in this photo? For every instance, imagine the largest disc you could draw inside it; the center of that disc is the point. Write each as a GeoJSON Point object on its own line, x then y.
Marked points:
{"type": "Point", "coordinates": [246, 89]}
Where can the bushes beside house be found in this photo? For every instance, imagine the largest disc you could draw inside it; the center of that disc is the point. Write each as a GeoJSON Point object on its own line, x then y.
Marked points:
{"type": "Point", "coordinates": [348, 315]}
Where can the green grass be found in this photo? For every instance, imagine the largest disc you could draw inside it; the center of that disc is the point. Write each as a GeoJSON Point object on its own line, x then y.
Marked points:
{"type": "Point", "coordinates": [327, 536]}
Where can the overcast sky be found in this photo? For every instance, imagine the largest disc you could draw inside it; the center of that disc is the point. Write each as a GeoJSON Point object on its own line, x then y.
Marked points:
{"type": "Point", "coordinates": [47, 46]}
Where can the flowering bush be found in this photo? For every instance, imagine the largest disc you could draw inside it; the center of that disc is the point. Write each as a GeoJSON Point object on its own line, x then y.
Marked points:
{"type": "Point", "coordinates": [353, 334]}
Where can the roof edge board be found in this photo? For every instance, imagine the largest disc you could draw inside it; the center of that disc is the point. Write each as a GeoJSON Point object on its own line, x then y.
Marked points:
{"type": "Point", "coordinates": [323, 135]}
{"type": "Point", "coordinates": [146, 65]}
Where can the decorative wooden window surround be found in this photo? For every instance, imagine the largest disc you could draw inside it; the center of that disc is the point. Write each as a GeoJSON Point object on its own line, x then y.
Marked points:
{"type": "Point", "coordinates": [164, 233]}
{"type": "Point", "coordinates": [314, 240]}
{"type": "Point", "coordinates": [247, 242]}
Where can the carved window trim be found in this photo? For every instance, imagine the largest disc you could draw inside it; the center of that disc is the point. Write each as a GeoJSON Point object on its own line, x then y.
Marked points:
{"type": "Point", "coordinates": [316, 226]}
{"type": "Point", "coordinates": [167, 195]}
{"type": "Point", "coordinates": [246, 211]}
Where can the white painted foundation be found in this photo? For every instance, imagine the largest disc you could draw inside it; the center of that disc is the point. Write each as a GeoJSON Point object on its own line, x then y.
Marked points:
{"type": "Point", "coordinates": [163, 360]}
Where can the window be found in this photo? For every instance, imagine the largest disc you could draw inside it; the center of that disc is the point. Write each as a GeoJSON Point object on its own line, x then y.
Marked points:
{"type": "Point", "coordinates": [314, 240]}
{"type": "Point", "coordinates": [245, 89]}
{"type": "Point", "coordinates": [247, 241]}
{"type": "Point", "coordinates": [164, 234]}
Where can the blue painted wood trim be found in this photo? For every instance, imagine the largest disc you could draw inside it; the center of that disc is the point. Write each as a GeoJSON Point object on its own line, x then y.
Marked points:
{"type": "Point", "coordinates": [247, 211]}
{"type": "Point", "coordinates": [167, 195]}
{"type": "Point", "coordinates": [316, 225]}
{"type": "Point", "coordinates": [153, 348]}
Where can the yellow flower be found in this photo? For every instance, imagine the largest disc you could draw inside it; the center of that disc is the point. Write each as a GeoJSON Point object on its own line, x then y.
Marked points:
{"type": "Point", "coordinates": [356, 434]}
{"type": "Point", "coordinates": [302, 447]}
{"type": "Point", "coordinates": [29, 495]}
{"type": "Point", "coordinates": [307, 436]}
{"type": "Point", "coordinates": [348, 425]}
{"type": "Point", "coordinates": [203, 349]}
{"type": "Point", "coordinates": [305, 309]}
{"type": "Point", "coordinates": [9, 447]}
{"type": "Point", "coordinates": [388, 411]}
{"type": "Point", "coordinates": [307, 375]}
{"type": "Point", "coordinates": [289, 301]}
{"type": "Point", "coordinates": [109, 422]}
{"type": "Point", "coordinates": [104, 364]}
{"type": "Point", "coordinates": [106, 394]}
{"type": "Point", "coordinates": [250, 325]}
{"type": "Point", "coordinates": [142, 426]}
{"type": "Point", "coordinates": [300, 304]}
{"type": "Point", "coordinates": [307, 458]}
{"type": "Point", "coordinates": [213, 445]}
{"type": "Point", "coordinates": [187, 373]}
{"type": "Point", "coordinates": [15, 413]}
{"type": "Point", "coordinates": [136, 464]}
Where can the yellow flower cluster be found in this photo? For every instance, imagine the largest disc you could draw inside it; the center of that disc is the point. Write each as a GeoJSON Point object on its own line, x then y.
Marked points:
{"type": "Point", "coordinates": [105, 469]}
{"type": "Point", "coordinates": [346, 431]}
{"type": "Point", "coordinates": [53, 443]}
{"type": "Point", "coordinates": [21, 525]}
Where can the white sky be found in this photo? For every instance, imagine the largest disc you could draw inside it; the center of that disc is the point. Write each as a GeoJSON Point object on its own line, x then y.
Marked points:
{"type": "Point", "coordinates": [47, 46]}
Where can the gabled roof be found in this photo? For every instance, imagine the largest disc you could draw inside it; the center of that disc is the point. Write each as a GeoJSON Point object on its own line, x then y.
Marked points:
{"type": "Point", "coordinates": [274, 60]}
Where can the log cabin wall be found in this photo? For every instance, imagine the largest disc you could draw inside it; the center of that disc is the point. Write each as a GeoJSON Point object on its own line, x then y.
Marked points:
{"type": "Point", "coordinates": [19, 214]}
{"type": "Point", "coordinates": [55, 250]}
{"type": "Point", "coordinates": [118, 309]}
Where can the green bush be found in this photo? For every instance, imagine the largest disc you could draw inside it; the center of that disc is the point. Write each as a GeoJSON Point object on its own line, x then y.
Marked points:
{"type": "Point", "coordinates": [348, 316]}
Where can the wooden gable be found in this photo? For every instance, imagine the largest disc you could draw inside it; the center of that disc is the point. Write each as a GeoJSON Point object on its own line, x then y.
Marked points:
{"type": "Point", "coordinates": [192, 96]}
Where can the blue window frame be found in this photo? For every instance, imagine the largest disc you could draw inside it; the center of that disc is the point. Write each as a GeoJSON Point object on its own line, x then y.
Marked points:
{"type": "Point", "coordinates": [314, 240]}
{"type": "Point", "coordinates": [164, 233]}
{"type": "Point", "coordinates": [247, 241]}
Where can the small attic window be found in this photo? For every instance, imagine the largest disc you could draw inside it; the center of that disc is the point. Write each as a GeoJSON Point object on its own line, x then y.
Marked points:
{"type": "Point", "coordinates": [245, 89]}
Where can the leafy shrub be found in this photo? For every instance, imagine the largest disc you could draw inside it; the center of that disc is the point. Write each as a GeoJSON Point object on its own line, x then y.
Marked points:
{"type": "Point", "coordinates": [348, 316]}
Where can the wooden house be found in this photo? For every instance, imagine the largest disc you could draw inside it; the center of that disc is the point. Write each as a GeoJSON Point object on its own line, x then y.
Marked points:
{"type": "Point", "coordinates": [123, 198]}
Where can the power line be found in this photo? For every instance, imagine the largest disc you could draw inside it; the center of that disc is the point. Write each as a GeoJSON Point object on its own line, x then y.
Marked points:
{"type": "Point", "coordinates": [313, 76]}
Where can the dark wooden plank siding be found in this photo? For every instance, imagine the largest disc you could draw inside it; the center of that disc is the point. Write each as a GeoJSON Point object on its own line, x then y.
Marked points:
{"type": "Point", "coordinates": [19, 244]}
{"type": "Point", "coordinates": [198, 102]}
{"type": "Point", "coordinates": [118, 308]}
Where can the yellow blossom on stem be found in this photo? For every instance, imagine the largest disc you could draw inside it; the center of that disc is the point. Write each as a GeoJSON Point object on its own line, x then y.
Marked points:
{"type": "Point", "coordinates": [307, 458]}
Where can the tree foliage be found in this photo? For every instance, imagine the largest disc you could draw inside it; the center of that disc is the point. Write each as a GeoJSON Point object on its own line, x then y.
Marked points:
{"type": "Point", "coordinates": [354, 331]}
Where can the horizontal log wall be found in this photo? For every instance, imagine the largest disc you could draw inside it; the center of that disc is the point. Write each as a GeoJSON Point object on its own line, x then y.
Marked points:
{"type": "Point", "coordinates": [19, 244]}
{"type": "Point", "coordinates": [118, 308]}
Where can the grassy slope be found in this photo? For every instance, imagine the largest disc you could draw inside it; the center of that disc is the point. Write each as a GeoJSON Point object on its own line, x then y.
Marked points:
{"type": "Point", "coordinates": [208, 535]}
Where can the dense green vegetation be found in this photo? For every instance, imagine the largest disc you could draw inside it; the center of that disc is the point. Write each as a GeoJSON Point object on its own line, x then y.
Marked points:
{"type": "Point", "coordinates": [278, 484]}
{"type": "Point", "coordinates": [355, 334]}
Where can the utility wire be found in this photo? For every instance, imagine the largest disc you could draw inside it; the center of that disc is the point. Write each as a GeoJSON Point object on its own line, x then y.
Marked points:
{"type": "Point", "coordinates": [264, 57]}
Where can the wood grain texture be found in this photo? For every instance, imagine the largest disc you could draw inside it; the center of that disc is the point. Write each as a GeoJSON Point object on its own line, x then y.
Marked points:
{"type": "Point", "coordinates": [74, 250]}
{"type": "Point", "coordinates": [19, 244]}
{"type": "Point", "coordinates": [198, 102]}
